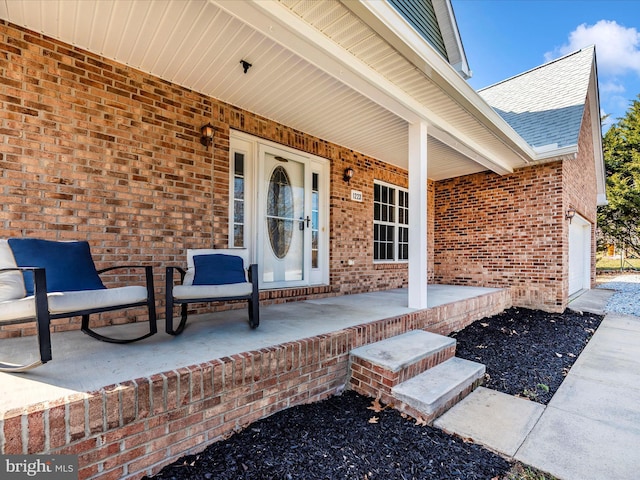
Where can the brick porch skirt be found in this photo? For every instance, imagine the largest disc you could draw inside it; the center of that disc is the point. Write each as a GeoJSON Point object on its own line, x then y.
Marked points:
{"type": "Point", "coordinates": [136, 427]}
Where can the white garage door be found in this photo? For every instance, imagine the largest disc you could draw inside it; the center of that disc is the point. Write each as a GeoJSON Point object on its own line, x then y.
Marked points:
{"type": "Point", "coordinates": [579, 255]}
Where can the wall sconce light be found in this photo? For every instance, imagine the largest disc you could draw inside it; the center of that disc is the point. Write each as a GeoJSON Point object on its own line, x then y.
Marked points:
{"type": "Point", "coordinates": [570, 214]}
{"type": "Point", "coordinates": [348, 175]}
{"type": "Point", "coordinates": [207, 135]}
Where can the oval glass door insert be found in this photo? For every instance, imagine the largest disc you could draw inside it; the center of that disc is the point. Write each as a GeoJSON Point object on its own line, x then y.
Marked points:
{"type": "Point", "coordinates": [280, 218]}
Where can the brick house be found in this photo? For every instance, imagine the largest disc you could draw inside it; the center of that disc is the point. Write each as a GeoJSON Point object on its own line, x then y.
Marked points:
{"type": "Point", "coordinates": [102, 106]}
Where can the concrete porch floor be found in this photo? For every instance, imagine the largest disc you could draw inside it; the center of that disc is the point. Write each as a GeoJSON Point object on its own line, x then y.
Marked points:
{"type": "Point", "coordinates": [81, 364]}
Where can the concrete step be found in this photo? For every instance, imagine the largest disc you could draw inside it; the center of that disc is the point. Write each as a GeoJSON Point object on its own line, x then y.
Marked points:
{"type": "Point", "coordinates": [378, 367]}
{"type": "Point", "coordinates": [433, 392]}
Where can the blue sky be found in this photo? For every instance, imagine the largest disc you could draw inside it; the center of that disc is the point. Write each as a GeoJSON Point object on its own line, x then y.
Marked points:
{"type": "Point", "coordinates": [503, 38]}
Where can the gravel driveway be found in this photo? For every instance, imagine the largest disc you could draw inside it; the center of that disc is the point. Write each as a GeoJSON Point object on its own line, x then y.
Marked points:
{"type": "Point", "coordinates": [626, 300]}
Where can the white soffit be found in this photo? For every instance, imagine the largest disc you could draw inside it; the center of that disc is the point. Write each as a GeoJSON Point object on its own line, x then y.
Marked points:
{"type": "Point", "coordinates": [369, 65]}
{"type": "Point", "coordinates": [445, 162]}
{"type": "Point", "coordinates": [198, 44]}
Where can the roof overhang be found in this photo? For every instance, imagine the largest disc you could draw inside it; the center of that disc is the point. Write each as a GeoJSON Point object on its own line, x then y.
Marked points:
{"type": "Point", "coordinates": [352, 73]}
{"type": "Point", "coordinates": [596, 131]}
{"type": "Point", "coordinates": [451, 36]}
{"type": "Point", "coordinates": [390, 25]}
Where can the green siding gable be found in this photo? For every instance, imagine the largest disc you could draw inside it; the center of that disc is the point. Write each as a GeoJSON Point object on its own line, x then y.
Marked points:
{"type": "Point", "coordinates": [422, 16]}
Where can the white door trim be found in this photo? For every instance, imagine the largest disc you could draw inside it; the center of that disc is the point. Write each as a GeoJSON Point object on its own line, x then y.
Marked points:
{"type": "Point", "coordinates": [255, 149]}
{"type": "Point", "coordinates": [579, 270]}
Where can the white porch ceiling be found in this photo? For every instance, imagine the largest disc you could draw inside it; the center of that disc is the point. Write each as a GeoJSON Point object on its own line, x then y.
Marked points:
{"type": "Point", "coordinates": [199, 44]}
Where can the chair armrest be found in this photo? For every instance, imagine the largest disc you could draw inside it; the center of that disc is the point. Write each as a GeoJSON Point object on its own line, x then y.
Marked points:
{"type": "Point", "coordinates": [148, 270]}
{"type": "Point", "coordinates": [170, 273]}
{"type": "Point", "coordinates": [16, 269]}
{"type": "Point", "coordinates": [39, 279]}
{"type": "Point", "coordinates": [20, 269]}
{"type": "Point", "coordinates": [116, 267]}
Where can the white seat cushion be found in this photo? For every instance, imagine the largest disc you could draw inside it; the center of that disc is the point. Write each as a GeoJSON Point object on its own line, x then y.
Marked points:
{"type": "Point", "coordinates": [188, 292]}
{"type": "Point", "coordinates": [65, 302]}
{"type": "Point", "coordinates": [11, 283]}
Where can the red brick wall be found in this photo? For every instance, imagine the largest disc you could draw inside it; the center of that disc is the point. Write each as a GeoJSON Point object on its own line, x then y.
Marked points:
{"type": "Point", "coordinates": [92, 149]}
{"type": "Point", "coordinates": [511, 231]}
{"type": "Point", "coordinates": [431, 228]}
{"type": "Point", "coordinates": [579, 174]}
{"type": "Point", "coordinates": [579, 184]}
{"type": "Point", "coordinates": [503, 231]}
{"type": "Point", "coordinates": [351, 227]}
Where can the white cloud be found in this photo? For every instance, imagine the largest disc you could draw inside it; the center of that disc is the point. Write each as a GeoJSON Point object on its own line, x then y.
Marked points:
{"type": "Point", "coordinates": [619, 104]}
{"type": "Point", "coordinates": [617, 47]}
{"type": "Point", "coordinates": [615, 106]}
{"type": "Point", "coordinates": [612, 87]}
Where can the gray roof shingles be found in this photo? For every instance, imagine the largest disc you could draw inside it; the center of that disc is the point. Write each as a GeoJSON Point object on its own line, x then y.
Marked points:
{"type": "Point", "coordinates": [545, 105]}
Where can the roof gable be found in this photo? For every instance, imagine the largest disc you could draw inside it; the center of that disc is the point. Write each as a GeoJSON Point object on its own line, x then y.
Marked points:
{"type": "Point", "coordinates": [422, 17]}
{"type": "Point", "coordinates": [434, 21]}
{"type": "Point", "coordinates": [545, 105]}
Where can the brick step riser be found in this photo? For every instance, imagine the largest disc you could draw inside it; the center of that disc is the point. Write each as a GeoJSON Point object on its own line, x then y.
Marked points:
{"type": "Point", "coordinates": [436, 390]}
{"type": "Point", "coordinates": [376, 381]}
{"type": "Point", "coordinates": [429, 418]}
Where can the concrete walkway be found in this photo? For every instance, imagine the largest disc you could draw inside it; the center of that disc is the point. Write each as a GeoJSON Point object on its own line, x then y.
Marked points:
{"type": "Point", "coordinates": [591, 427]}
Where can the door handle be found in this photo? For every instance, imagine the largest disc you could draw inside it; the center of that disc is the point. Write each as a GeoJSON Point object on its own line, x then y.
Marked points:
{"type": "Point", "coordinates": [302, 220]}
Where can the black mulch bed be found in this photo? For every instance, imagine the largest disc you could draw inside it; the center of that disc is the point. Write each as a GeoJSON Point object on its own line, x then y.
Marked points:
{"type": "Point", "coordinates": [526, 352]}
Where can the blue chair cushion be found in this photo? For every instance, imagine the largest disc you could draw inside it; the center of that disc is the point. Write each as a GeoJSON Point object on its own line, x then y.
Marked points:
{"type": "Point", "coordinates": [218, 269]}
{"type": "Point", "coordinates": [68, 265]}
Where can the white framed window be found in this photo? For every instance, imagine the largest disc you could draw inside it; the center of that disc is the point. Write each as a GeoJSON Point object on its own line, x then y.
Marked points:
{"type": "Point", "coordinates": [240, 207]}
{"type": "Point", "coordinates": [239, 186]}
{"type": "Point", "coordinates": [315, 220]}
{"type": "Point", "coordinates": [390, 223]}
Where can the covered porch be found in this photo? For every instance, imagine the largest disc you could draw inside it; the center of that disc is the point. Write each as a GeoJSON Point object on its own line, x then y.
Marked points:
{"type": "Point", "coordinates": [348, 82]}
{"type": "Point", "coordinates": [129, 410]}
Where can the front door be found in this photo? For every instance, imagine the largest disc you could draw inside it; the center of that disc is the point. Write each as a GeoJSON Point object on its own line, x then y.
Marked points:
{"type": "Point", "coordinates": [283, 220]}
{"type": "Point", "coordinates": [279, 210]}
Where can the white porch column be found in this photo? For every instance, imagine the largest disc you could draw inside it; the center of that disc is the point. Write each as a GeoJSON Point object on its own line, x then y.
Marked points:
{"type": "Point", "coordinates": [418, 215]}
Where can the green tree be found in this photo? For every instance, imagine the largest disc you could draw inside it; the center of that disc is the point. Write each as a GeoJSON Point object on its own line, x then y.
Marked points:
{"type": "Point", "coordinates": [619, 221]}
